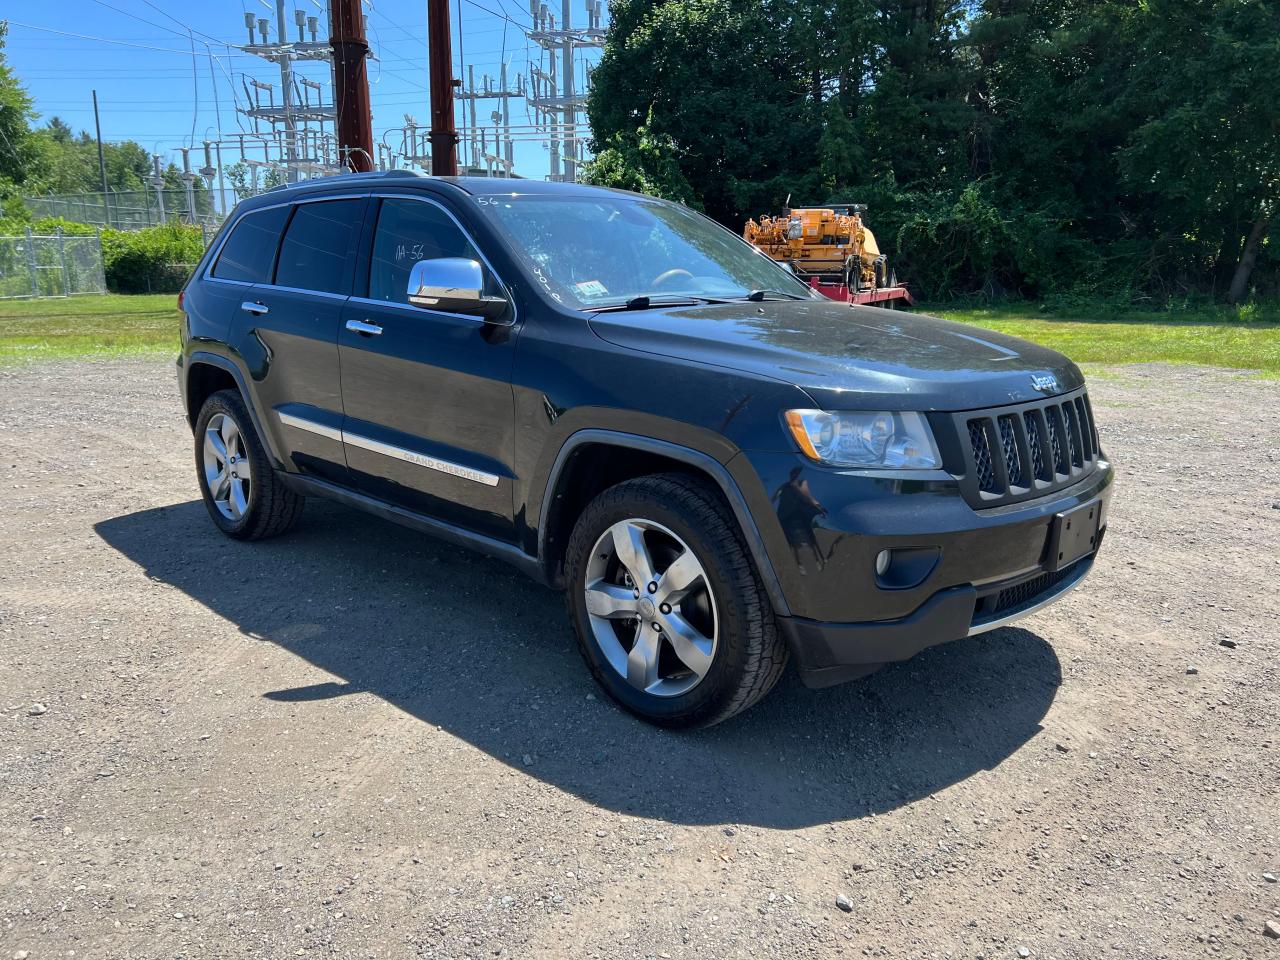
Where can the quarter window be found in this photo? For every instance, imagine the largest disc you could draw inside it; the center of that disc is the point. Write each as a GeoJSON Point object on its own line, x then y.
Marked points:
{"type": "Point", "coordinates": [409, 231]}
{"type": "Point", "coordinates": [317, 246]}
{"type": "Point", "coordinates": [250, 250]}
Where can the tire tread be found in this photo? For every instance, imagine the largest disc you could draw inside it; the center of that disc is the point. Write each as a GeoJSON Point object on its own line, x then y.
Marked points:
{"type": "Point", "coordinates": [766, 651]}
{"type": "Point", "coordinates": [276, 508]}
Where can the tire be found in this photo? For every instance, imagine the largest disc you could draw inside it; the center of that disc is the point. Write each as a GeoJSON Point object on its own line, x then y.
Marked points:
{"type": "Point", "coordinates": [721, 618]}
{"type": "Point", "coordinates": [252, 503]}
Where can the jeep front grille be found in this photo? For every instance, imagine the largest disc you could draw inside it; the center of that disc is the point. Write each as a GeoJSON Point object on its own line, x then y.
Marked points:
{"type": "Point", "coordinates": [1025, 451]}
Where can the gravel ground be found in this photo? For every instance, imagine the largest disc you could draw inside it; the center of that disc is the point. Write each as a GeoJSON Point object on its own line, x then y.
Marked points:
{"type": "Point", "coordinates": [358, 742]}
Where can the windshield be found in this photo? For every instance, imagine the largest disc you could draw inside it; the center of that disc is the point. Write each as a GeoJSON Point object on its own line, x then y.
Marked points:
{"type": "Point", "coordinates": [601, 251]}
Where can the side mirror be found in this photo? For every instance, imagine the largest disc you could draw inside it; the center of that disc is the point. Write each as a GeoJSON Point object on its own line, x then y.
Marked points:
{"type": "Point", "coordinates": [453, 285]}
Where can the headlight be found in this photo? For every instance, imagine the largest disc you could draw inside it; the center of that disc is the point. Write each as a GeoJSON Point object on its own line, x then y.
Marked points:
{"type": "Point", "coordinates": [895, 441]}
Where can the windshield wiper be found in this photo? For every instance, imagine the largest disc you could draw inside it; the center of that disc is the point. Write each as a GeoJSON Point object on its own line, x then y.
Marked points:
{"type": "Point", "coordinates": [647, 303]}
{"type": "Point", "coordinates": [755, 296]}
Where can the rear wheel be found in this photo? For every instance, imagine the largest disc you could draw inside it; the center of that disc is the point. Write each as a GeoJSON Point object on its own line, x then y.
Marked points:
{"type": "Point", "coordinates": [244, 497]}
{"type": "Point", "coordinates": [670, 614]}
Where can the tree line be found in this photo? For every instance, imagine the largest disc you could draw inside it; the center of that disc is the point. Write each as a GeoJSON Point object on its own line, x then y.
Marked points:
{"type": "Point", "coordinates": [52, 158]}
{"type": "Point", "coordinates": [1071, 148]}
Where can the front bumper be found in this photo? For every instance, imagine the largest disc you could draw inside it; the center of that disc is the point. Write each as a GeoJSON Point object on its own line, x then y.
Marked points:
{"type": "Point", "coordinates": [981, 570]}
{"type": "Point", "coordinates": [831, 653]}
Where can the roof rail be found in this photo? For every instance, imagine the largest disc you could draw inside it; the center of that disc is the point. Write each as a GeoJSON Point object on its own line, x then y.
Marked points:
{"type": "Point", "coordinates": [376, 175]}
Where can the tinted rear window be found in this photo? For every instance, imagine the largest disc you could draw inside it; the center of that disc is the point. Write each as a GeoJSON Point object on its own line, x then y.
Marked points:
{"type": "Point", "coordinates": [317, 245]}
{"type": "Point", "coordinates": [249, 251]}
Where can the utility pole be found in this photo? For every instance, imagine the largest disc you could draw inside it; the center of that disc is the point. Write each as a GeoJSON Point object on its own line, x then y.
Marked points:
{"type": "Point", "coordinates": [508, 149]}
{"type": "Point", "coordinates": [217, 113]}
{"type": "Point", "coordinates": [475, 141]}
{"type": "Point", "coordinates": [351, 85]}
{"type": "Point", "coordinates": [556, 101]}
{"type": "Point", "coordinates": [286, 88]}
{"type": "Point", "coordinates": [570, 104]}
{"type": "Point", "coordinates": [294, 107]}
{"type": "Point", "coordinates": [444, 138]}
{"type": "Point", "coordinates": [102, 163]}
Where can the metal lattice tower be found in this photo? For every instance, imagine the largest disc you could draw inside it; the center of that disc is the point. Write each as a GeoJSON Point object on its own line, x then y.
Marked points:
{"type": "Point", "coordinates": [556, 102]}
{"type": "Point", "coordinates": [476, 140]}
{"type": "Point", "coordinates": [295, 135]}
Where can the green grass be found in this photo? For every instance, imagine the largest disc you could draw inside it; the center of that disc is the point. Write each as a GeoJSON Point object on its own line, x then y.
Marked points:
{"type": "Point", "coordinates": [1213, 336]}
{"type": "Point", "coordinates": [113, 325]}
{"type": "Point", "coordinates": [95, 326]}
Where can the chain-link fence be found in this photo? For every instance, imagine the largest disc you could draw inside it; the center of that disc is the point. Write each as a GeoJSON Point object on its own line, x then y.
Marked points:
{"type": "Point", "coordinates": [151, 277]}
{"type": "Point", "coordinates": [50, 266]}
{"type": "Point", "coordinates": [124, 209]}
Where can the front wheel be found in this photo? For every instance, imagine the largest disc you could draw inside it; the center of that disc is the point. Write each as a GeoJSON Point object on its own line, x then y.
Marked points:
{"type": "Point", "coordinates": [670, 613]}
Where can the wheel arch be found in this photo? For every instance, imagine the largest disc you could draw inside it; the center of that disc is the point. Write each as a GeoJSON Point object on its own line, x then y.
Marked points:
{"type": "Point", "coordinates": [593, 459]}
{"type": "Point", "coordinates": [206, 374]}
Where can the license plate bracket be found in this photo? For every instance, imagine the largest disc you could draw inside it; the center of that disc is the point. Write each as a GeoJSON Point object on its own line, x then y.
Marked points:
{"type": "Point", "coordinates": [1074, 534]}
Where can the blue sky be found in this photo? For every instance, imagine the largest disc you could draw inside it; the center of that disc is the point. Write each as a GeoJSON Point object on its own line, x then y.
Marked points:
{"type": "Point", "coordinates": [147, 91]}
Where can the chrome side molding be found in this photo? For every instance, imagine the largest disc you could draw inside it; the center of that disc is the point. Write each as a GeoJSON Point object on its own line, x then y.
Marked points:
{"type": "Point", "coordinates": [389, 450]}
{"type": "Point", "coordinates": [289, 420]}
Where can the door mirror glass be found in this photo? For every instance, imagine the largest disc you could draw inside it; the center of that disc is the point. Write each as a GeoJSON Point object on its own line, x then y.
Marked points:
{"type": "Point", "coordinates": [453, 285]}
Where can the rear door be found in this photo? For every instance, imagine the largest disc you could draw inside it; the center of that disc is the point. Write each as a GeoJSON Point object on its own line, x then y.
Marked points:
{"type": "Point", "coordinates": [289, 332]}
{"type": "Point", "coordinates": [427, 394]}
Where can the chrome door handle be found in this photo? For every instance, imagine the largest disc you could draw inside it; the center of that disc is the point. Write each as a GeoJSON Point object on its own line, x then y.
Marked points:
{"type": "Point", "coordinates": [257, 309]}
{"type": "Point", "coordinates": [364, 329]}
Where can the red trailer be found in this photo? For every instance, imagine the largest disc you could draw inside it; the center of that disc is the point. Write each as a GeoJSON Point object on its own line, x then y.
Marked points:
{"type": "Point", "coordinates": [882, 296]}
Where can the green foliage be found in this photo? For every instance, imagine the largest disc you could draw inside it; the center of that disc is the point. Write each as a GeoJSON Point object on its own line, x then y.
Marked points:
{"type": "Point", "coordinates": [155, 260]}
{"type": "Point", "coordinates": [54, 159]}
{"type": "Point", "coordinates": [15, 116]}
{"type": "Point", "coordinates": [247, 183]}
{"type": "Point", "coordinates": [641, 161]}
{"type": "Point", "coordinates": [669, 82]}
{"type": "Point", "coordinates": [1088, 149]}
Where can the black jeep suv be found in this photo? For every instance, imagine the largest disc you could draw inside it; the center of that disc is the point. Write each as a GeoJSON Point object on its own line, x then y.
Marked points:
{"type": "Point", "coordinates": [625, 400]}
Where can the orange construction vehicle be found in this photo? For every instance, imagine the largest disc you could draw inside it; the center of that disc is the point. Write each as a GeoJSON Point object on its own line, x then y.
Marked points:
{"type": "Point", "coordinates": [833, 250]}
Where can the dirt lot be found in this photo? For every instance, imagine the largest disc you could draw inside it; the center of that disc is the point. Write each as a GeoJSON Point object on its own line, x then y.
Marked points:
{"type": "Point", "coordinates": [357, 742]}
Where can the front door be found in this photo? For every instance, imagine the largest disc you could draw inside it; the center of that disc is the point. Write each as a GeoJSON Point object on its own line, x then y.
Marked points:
{"type": "Point", "coordinates": [429, 409]}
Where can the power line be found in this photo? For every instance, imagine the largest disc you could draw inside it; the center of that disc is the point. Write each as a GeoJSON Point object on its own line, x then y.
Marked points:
{"type": "Point", "coordinates": [82, 36]}
{"type": "Point", "coordinates": [150, 23]}
{"type": "Point", "coordinates": [185, 26]}
{"type": "Point", "coordinates": [195, 79]}
{"type": "Point", "coordinates": [195, 90]}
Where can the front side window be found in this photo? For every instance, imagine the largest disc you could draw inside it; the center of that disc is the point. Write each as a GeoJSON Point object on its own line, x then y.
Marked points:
{"type": "Point", "coordinates": [601, 251]}
{"type": "Point", "coordinates": [409, 231]}
{"type": "Point", "coordinates": [317, 245]}
{"type": "Point", "coordinates": [249, 251]}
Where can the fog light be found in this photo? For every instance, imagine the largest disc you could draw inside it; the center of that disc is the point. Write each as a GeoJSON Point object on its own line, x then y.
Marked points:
{"type": "Point", "coordinates": [905, 568]}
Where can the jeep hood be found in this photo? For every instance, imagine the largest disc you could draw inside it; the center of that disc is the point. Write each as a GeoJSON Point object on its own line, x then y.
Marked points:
{"type": "Point", "coordinates": [850, 357]}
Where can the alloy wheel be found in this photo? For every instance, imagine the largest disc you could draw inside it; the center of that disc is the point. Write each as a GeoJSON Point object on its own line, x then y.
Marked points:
{"type": "Point", "coordinates": [651, 608]}
{"type": "Point", "coordinates": [227, 470]}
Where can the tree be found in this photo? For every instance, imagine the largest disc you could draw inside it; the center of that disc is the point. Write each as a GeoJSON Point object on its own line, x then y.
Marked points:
{"type": "Point", "coordinates": [641, 161]}
{"type": "Point", "coordinates": [1096, 147]}
{"type": "Point", "coordinates": [1207, 154]}
{"type": "Point", "coordinates": [718, 82]}
{"type": "Point", "coordinates": [246, 182]}
{"type": "Point", "coordinates": [16, 114]}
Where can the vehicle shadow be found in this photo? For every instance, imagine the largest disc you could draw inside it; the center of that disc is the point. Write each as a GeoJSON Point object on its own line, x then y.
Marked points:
{"type": "Point", "coordinates": [468, 644]}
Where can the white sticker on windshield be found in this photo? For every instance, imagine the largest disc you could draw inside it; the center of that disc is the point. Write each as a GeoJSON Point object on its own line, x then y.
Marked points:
{"type": "Point", "coordinates": [590, 288]}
